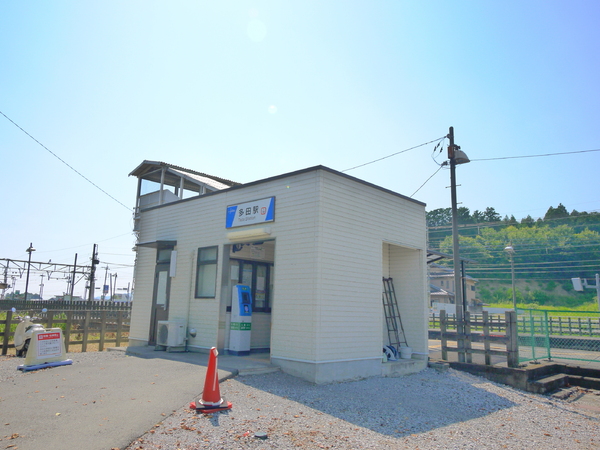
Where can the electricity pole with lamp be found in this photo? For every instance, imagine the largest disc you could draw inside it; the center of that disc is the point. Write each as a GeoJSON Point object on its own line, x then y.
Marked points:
{"type": "Point", "coordinates": [456, 156]}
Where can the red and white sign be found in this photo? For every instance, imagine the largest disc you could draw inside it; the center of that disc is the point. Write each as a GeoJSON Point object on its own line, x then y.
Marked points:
{"type": "Point", "coordinates": [49, 344]}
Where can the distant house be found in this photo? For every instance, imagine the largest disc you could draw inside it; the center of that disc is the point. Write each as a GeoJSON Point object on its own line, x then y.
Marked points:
{"type": "Point", "coordinates": [442, 290]}
{"type": "Point", "coordinates": [311, 247]}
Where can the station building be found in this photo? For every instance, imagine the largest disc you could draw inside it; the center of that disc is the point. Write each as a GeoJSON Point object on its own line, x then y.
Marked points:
{"type": "Point", "coordinates": [312, 247]}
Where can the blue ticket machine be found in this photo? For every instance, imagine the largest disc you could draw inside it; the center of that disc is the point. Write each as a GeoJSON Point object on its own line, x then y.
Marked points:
{"type": "Point", "coordinates": [241, 320]}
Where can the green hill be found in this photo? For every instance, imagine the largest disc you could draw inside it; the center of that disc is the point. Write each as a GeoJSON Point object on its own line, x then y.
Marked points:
{"type": "Point", "coordinates": [548, 252]}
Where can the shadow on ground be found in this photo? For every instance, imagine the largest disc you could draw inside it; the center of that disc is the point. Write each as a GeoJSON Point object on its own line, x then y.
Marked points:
{"type": "Point", "coordinates": [394, 406]}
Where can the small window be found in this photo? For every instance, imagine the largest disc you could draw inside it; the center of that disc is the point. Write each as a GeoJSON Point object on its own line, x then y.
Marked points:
{"type": "Point", "coordinates": [163, 255]}
{"type": "Point", "coordinates": [206, 272]}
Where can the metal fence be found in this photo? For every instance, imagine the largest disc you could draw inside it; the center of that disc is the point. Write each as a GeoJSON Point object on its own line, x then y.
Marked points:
{"type": "Point", "coordinates": [27, 305]}
{"type": "Point", "coordinates": [558, 335]}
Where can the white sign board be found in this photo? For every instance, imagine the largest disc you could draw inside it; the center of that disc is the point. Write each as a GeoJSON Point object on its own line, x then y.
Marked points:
{"type": "Point", "coordinates": [49, 344]}
{"type": "Point", "coordinates": [251, 213]}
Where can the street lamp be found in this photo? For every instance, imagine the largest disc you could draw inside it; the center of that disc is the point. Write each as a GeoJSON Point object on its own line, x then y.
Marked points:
{"type": "Point", "coordinates": [511, 251]}
{"type": "Point", "coordinates": [29, 250]}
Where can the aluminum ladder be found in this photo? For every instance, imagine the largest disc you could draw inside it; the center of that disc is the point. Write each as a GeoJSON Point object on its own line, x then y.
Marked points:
{"type": "Point", "coordinates": [392, 315]}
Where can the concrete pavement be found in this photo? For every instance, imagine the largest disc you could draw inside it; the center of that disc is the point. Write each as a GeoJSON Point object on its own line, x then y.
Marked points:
{"type": "Point", "coordinates": [106, 403]}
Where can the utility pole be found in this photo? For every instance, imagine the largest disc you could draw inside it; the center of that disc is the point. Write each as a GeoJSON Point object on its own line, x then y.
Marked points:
{"type": "Point", "coordinates": [5, 283]}
{"type": "Point", "coordinates": [458, 286]}
{"type": "Point", "coordinates": [42, 286]}
{"type": "Point", "coordinates": [455, 251]}
{"type": "Point", "coordinates": [598, 289]}
{"type": "Point", "coordinates": [113, 287]}
{"type": "Point", "coordinates": [92, 280]}
{"type": "Point", "coordinates": [74, 274]}
{"type": "Point", "coordinates": [511, 253]}
{"type": "Point", "coordinates": [29, 250]}
{"type": "Point", "coordinates": [104, 286]}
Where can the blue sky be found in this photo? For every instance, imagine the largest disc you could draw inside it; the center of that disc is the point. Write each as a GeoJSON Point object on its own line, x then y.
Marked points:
{"type": "Point", "coordinates": [246, 90]}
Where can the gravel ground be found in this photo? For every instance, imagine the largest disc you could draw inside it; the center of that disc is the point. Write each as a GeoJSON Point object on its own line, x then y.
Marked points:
{"type": "Point", "coordinates": [428, 410]}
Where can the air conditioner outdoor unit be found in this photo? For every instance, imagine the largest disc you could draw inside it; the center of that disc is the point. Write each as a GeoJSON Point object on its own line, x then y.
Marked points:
{"type": "Point", "coordinates": [170, 333]}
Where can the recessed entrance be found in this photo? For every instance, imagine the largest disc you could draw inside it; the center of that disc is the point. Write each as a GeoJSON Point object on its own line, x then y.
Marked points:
{"type": "Point", "coordinates": [251, 264]}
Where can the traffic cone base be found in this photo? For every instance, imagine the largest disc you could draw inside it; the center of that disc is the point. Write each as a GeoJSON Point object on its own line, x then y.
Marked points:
{"type": "Point", "coordinates": [207, 409]}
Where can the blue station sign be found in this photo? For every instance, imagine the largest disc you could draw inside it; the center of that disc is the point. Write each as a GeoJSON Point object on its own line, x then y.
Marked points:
{"type": "Point", "coordinates": [251, 213]}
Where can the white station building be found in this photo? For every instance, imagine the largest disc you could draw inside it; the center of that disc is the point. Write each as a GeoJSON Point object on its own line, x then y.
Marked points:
{"type": "Point", "coordinates": [290, 265]}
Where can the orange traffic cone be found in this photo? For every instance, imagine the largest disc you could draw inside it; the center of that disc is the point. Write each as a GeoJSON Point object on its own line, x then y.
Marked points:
{"type": "Point", "coordinates": [211, 400]}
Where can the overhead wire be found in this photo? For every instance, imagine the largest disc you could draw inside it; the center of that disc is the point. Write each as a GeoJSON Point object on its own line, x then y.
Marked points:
{"type": "Point", "coordinates": [65, 163]}
{"type": "Point", "coordinates": [535, 156]}
{"type": "Point", "coordinates": [439, 168]}
{"type": "Point", "coordinates": [394, 154]}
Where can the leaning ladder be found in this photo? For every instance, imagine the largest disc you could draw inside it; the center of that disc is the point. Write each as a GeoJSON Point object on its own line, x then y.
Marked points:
{"type": "Point", "coordinates": [392, 315]}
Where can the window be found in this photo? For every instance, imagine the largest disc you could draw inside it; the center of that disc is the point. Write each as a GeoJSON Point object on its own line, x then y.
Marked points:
{"type": "Point", "coordinates": [163, 255]}
{"type": "Point", "coordinates": [206, 272]}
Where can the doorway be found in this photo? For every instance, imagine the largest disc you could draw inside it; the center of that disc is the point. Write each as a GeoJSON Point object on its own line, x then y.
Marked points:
{"type": "Point", "coordinates": [252, 264]}
{"type": "Point", "coordinates": [160, 296]}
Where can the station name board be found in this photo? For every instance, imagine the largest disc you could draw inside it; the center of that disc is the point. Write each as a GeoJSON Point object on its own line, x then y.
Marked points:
{"type": "Point", "coordinates": [251, 213]}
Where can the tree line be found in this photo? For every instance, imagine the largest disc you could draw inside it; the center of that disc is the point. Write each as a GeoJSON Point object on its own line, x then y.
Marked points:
{"type": "Point", "coordinates": [442, 218]}
{"type": "Point", "coordinates": [557, 247]}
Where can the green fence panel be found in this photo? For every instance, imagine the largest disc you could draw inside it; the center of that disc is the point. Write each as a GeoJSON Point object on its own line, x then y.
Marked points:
{"type": "Point", "coordinates": [558, 335]}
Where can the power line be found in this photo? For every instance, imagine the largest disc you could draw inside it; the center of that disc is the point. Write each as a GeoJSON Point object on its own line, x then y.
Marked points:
{"type": "Point", "coordinates": [394, 154]}
{"type": "Point", "coordinates": [413, 194]}
{"type": "Point", "coordinates": [64, 162]}
{"type": "Point", "coordinates": [502, 223]}
{"type": "Point", "coordinates": [535, 156]}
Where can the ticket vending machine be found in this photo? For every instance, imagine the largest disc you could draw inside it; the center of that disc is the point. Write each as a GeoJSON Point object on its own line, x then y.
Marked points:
{"type": "Point", "coordinates": [241, 320]}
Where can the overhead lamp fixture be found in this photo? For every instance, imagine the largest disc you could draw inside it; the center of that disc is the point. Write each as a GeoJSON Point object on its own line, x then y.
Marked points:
{"type": "Point", "coordinates": [460, 157]}
{"type": "Point", "coordinates": [262, 232]}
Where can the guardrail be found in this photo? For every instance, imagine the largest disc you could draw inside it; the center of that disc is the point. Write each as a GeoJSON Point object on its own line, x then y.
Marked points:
{"type": "Point", "coordinates": [478, 329]}
{"type": "Point", "coordinates": [539, 334]}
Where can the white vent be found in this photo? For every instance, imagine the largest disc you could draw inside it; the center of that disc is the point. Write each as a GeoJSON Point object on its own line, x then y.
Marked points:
{"type": "Point", "coordinates": [170, 334]}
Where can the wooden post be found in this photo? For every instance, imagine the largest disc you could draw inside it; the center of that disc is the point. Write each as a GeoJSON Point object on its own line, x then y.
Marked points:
{"type": "Point", "coordinates": [7, 324]}
{"type": "Point", "coordinates": [486, 339]}
{"type": "Point", "coordinates": [512, 344]}
{"type": "Point", "coordinates": [467, 346]}
{"type": "Point", "coordinates": [443, 337]}
{"type": "Point", "coordinates": [68, 326]}
{"type": "Point", "coordinates": [86, 330]}
{"type": "Point", "coordinates": [102, 330]}
{"type": "Point", "coordinates": [560, 325]}
{"type": "Point", "coordinates": [119, 327]}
